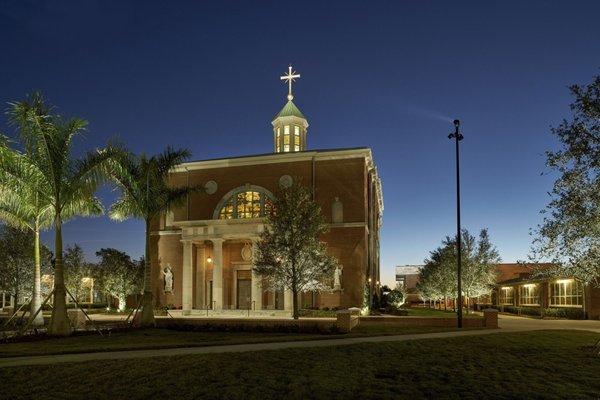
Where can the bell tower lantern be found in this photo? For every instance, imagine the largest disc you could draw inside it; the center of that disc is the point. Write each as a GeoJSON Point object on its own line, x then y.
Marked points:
{"type": "Point", "coordinates": [289, 125]}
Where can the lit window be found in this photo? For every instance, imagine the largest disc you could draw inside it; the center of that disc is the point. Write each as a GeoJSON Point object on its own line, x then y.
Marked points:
{"type": "Point", "coordinates": [246, 204]}
{"type": "Point", "coordinates": [507, 295]}
{"type": "Point", "coordinates": [278, 140]}
{"type": "Point", "coordinates": [529, 295]}
{"type": "Point", "coordinates": [566, 293]}
{"type": "Point", "coordinates": [286, 138]}
{"type": "Point", "coordinates": [296, 138]}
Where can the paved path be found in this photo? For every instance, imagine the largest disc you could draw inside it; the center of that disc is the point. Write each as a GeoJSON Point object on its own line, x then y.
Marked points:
{"type": "Point", "coordinates": [507, 324]}
{"type": "Point", "coordinates": [512, 323]}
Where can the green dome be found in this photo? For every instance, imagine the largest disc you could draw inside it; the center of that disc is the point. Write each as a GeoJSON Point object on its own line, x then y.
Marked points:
{"type": "Point", "coordinates": [290, 110]}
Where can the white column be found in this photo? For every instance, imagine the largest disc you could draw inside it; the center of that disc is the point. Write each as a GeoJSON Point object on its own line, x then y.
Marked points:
{"type": "Point", "coordinates": [187, 278]}
{"type": "Point", "coordinates": [288, 300]}
{"type": "Point", "coordinates": [217, 273]}
{"type": "Point", "coordinates": [200, 276]}
{"type": "Point", "coordinates": [256, 282]}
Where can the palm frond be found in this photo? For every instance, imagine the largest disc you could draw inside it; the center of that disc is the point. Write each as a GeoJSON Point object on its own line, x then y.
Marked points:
{"type": "Point", "coordinates": [125, 208]}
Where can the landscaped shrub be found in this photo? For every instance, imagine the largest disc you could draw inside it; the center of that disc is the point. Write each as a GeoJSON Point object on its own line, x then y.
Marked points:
{"type": "Point", "coordinates": [569, 313]}
{"type": "Point", "coordinates": [229, 327]}
{"type": "Point", "coordinates": [311, 313]}
{"type": "Point", "coordinates": [531, 311]}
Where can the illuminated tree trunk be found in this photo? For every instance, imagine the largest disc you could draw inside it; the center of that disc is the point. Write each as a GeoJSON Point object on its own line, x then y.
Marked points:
{"type": "Point", "coordinates": [147, 318]}
{"type": "Point", "coordinates": [36, 296]}
{"type": "Point", "coordinates": [59, 322]}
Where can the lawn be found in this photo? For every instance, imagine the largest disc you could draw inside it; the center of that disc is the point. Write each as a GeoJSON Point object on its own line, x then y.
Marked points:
{"type": "Point", "coordinates": [166, 338]}
{"type": "Point", "coordinates": [542, 364]}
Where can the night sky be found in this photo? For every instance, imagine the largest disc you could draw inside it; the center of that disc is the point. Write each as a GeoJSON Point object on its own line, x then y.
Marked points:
{"type": "Point", "coordinates": [388, 75]}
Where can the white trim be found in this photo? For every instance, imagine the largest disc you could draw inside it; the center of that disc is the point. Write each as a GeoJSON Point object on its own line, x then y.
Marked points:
{"type": "Point", "coordinates": [277, 158]}
{"type": "Point", "coordinates": [166, 233]}
{"type": "Point", "coordinates": [348, 225]}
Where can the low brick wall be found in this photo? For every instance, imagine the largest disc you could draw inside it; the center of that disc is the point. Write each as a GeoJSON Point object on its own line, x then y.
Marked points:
{"type": "Point", "coordinates": [308, 325]}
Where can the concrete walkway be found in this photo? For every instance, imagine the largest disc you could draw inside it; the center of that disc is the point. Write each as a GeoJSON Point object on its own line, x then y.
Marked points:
{"type": "Point", "coordinates": [507, 324]}
{"type": "Point", "coordinates": [514, 323]}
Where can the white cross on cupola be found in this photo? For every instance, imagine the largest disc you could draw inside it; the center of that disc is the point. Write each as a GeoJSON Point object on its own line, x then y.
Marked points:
{"type": "Point", "coordinates": [290, 77]}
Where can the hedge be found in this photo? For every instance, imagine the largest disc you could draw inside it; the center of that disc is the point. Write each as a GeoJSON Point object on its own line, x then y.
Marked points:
{"type": "Point", "coordinates": [567, 312]}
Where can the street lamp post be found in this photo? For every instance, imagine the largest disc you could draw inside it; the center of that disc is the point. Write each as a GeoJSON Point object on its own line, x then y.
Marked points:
{"type": "Point", "coordinates": [457, 136]}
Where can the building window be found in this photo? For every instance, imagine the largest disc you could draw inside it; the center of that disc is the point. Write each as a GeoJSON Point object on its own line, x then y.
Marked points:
{"type": "Point", "coordinates": [566, 293]}
{"type": "Point", "coordinates": [296, 138]}
{"type": "Point", "coordinates": [507, 295]}
{"type": "Point", "coordinates": [253, 203]}
{"type": "Point", "coordinates": [529, 295]}
{"type": "Point", "coordinates": [278, 140]}
{"type": "Point", "coordinates": [286, 138]}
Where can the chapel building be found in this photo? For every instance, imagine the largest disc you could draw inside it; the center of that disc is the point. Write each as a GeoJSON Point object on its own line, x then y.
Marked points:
{"type": "Point", "coordinates": [201, 253]}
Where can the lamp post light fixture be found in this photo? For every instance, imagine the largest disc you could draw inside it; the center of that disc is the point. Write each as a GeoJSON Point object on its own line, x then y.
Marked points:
{"type": "Point", "coordinates": [457, 136]}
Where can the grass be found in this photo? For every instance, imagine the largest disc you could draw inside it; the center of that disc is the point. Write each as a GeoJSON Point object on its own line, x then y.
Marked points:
{"type": "Point", "coordinates": [541, 364]}
{"type": "Point", "coordinates": [167, 338]}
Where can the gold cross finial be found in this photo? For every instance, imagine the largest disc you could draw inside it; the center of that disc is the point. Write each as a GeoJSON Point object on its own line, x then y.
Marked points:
{"type": "Point", "coordinates": [290, 77]}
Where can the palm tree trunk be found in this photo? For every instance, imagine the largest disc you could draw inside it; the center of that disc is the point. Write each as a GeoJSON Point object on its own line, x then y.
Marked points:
{"type": "Point", "coordinates": [147, 318]}
{"type": "Point", "coordinates": [36, 296]}
{"type": "Point", "coordinates": [59, 322]}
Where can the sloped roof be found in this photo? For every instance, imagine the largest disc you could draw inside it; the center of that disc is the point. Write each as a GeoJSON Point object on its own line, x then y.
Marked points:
{"type": "Point", "coordinates": [290, 110]}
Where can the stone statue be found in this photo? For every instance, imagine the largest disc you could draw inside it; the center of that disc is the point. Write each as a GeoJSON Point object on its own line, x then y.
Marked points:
{"type": "Point", "coordinates": [168, 275]}
{"type": "Point", "coordinates": [337, 274]}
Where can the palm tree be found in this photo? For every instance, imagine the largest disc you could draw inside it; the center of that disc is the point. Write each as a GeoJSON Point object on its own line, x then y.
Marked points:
{"type": "Point", "coordinates": [20, 208]}
{"type": "Point", "coordinates": [47, 174]}
{"type": "Point", "coordinates": [145, 194]}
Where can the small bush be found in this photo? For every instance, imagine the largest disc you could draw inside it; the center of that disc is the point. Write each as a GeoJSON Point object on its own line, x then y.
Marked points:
{"type": "Point", "coordinates": [555, 312]}
{"type": "Point", "coordinates": [287, 328]}
{"type": "Point", "coordinates": [311, 313]}
{"type": "Point", "coordinates": [532, 311]}
{"type": "Point", "coordinates": [567, 312]}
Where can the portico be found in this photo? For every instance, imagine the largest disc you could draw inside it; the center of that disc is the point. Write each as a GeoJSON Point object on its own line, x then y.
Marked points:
{"type": "Point", "coordinates": [217, 267]}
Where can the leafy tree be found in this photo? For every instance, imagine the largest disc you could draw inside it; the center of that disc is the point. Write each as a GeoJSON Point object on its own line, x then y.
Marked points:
{"type": "Point", "coordinates": [119, 275]}
{"type": "Point", "coordinates": [77, 269]}
{"type": "Point", "coordinates": [16, 263]}
{"type": "Point", "coordinates": [49, 172]}
{"type": "Point", "coordinates": [479, 266]}
{"type": "Point", "coordinates": [395, 297]}
{"type": "Point", "coordinates": [145, 194]}
{"type": "Point", "coordinates": [438, 277]}
{"type": "Point", "coordinates": [569, 235]}
{"type": "Point", "coordinates": [289, 253]}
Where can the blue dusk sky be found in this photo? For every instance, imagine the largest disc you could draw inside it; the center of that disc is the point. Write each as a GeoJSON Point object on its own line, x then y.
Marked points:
{"type": "Point", "coordinates": [387, 75]}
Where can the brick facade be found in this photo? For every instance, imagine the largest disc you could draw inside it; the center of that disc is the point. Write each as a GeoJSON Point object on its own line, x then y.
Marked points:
{"type": "Point", "coordinates": [346, 175]}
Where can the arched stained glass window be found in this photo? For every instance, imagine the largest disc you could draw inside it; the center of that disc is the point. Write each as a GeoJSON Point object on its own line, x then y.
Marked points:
{"type": "Point", "coordinates": [247, 202]}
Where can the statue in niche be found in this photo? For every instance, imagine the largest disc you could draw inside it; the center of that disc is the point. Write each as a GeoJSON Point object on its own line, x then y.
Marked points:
{"type": "Point", "coordinates": [168, 277]}
{"type": "Point", "coordinates": [337, 211]}
{"type": "Point", "coordinates": [337, 274]}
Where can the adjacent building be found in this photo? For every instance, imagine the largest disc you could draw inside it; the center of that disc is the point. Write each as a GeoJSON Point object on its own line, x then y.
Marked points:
{"type": "Point", "coordinates": [517, 290]}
